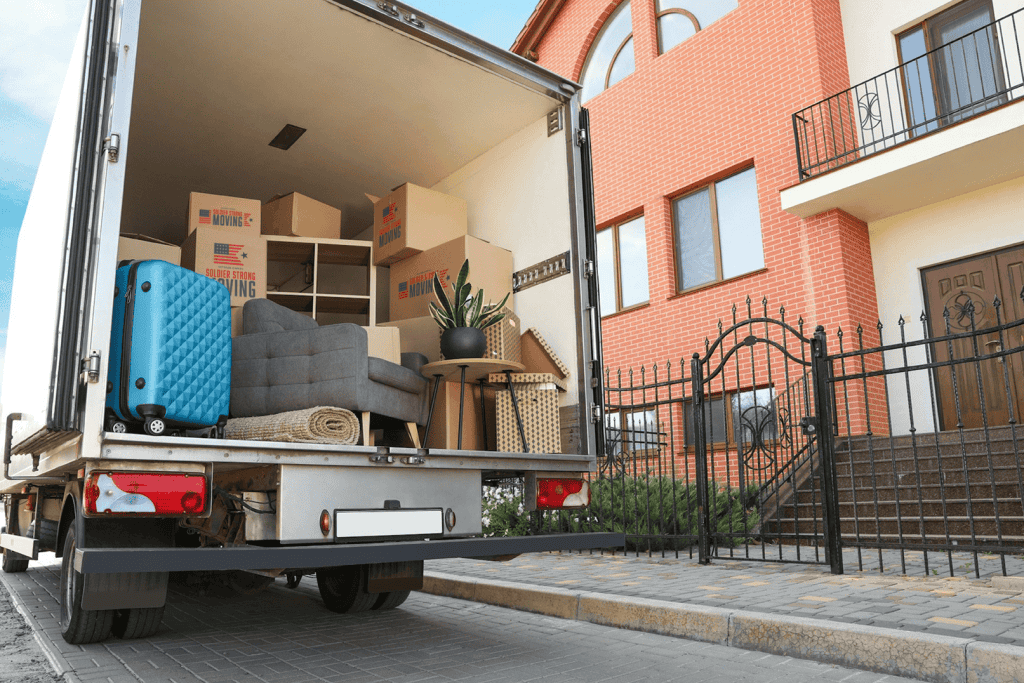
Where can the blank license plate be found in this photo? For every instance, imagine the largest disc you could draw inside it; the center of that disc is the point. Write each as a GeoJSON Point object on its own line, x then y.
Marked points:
{"type": "Point", "coordinates": [387, 524]}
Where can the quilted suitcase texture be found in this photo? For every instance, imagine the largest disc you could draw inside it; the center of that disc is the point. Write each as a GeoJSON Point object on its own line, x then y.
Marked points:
{"type": "Point", "coordinates": [170, 349]}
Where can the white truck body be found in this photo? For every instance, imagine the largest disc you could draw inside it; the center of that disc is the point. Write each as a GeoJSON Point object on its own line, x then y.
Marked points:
{"type": "Point", "coordinates": [166, 97]}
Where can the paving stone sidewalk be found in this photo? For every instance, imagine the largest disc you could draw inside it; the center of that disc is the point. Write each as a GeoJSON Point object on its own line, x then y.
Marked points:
{"type": "Point", "coordinates": [976, 609]}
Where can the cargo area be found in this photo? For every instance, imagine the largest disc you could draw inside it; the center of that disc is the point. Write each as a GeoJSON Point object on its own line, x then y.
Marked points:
{"type": "Point", "coordinates": [218, 82]}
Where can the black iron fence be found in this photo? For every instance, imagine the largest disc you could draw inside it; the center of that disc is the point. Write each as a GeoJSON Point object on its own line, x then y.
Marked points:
{"type": "Point", "coordinates": [774, 443]}
{"type": "Point", "coordinates": [953, 82]}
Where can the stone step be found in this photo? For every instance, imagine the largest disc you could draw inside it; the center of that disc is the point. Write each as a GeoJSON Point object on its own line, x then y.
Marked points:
{"type": "Point", "coordinates": [933, 528]}
{"type": "Point", "coordinates": [912, 509]}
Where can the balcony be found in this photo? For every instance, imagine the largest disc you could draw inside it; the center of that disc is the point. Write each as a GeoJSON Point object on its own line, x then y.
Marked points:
{"type": "Point", "coordinates": [942, 124]}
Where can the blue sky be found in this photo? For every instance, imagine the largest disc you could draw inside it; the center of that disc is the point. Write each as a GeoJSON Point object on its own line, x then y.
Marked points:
{"type": "Point", "coordinates": [36, 38]}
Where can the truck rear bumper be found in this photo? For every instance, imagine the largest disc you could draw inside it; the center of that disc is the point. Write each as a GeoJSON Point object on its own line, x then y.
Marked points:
{"type": "Point", "coordinates": [116, 560]}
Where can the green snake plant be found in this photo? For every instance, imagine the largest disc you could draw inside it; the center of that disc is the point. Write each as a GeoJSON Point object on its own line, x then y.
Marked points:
{"type": "Point", "coordinates": [463, 309]}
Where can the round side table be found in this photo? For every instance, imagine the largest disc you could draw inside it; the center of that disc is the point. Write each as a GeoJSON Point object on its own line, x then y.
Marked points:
{"type": "Point", "coordinates": [473, 370]}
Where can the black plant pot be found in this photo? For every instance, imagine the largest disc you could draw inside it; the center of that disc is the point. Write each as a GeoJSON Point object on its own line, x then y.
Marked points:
{"type": "Point", "coordinates": [463, 342]}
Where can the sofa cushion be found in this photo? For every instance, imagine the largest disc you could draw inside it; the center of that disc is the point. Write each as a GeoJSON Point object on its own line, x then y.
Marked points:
{"type": "Point", "coordinates": [263, 315]}
{"type": "Point", "coordinates": [396, 376]}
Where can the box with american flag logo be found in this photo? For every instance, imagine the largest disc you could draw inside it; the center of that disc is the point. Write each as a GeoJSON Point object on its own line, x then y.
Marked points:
{"type": "Point", "coordinates": [237, 260]}
{"type": "Point", "coordinates": [218, 211]}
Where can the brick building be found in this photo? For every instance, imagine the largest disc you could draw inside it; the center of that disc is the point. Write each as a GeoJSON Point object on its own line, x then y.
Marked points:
{"type": "Point", "coordinates": [708, 188]}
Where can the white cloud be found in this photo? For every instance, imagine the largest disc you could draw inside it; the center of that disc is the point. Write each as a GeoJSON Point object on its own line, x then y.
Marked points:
{"type": "Point", "coordinates": [36, 39]}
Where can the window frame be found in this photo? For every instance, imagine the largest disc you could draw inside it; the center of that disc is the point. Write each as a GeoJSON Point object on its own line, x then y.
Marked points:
{"type": "Point", "coordinates": [673, 10]}
{"type": "Point", "coordinates": [730, 442]}
{"type": "Point", "coordinates": [615, 56]}
{"type": "Point", "coordinates": [617, 263]}
{"type": "Point", "coordinates": [942, 118]}
{"type": "Point", "coordinates": [711, 187]}
{"type": "Point", "coordinates": [635, 453]}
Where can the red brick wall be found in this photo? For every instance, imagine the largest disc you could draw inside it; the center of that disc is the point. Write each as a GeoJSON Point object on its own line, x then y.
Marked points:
{"type": "Point", "coordinates": [714, 104]}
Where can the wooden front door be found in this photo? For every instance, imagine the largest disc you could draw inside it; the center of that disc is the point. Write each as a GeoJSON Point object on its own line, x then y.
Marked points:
{"type": "Point", "coordinates": [959, 298]}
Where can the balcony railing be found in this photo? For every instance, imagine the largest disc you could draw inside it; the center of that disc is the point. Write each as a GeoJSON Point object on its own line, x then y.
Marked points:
{"type": "Point", "coordinates": [955, 81]}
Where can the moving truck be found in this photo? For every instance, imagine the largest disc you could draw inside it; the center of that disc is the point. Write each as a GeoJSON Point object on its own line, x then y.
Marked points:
{"type": "Point", "coordinates": [165, 97]}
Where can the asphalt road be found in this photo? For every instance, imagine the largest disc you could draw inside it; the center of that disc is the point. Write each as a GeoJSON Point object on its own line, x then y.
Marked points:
{"type": "Point", "coordinates": [287, 636]}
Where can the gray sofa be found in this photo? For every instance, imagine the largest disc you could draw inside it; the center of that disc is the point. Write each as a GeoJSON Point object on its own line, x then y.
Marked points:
{"type": "Point", "coordinates": [284, 361]}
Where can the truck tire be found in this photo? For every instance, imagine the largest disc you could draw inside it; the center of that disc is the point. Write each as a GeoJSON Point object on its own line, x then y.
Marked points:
{"type": "Point", "coordinates": [140, 622]}
{"type": "Point", "coordinates": [47, 533]}
{"type": "Point", "coordinates": [390, 600]}
{"type": "Point", "coordinates": [78, 626]}
{"type": "Point", "coordinates": [14, 563]}
{"type": "Point", "coordinates": [343, 589]}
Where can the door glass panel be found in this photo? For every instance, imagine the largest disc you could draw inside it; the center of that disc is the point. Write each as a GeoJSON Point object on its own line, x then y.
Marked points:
{"type": "Point", "coordinates": [633, 262]}
{"type": "Point", "coordinates": [696, 246]}
{"type": "Point", "coordinates": [739, 224]}
{"type": "Point", "coordinates": [966, 68]}
{"type": "Point", "coordinates": [917, 80]}
{"type": "Point", "coordinates": [606, 271]}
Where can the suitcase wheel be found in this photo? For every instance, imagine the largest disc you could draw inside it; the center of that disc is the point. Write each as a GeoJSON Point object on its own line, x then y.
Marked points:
{"type": "Point", "coordinates": [118, 427]}
{"type": "Point", "coordinates": [154, 426]}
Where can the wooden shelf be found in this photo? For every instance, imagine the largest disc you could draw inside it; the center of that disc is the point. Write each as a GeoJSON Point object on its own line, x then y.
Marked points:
{"type": "Point", "coordinates": [344, 282]}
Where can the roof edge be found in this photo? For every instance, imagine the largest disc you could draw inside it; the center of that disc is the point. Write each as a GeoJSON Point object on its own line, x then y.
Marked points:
{"type": "Point", "coordinates": [536, 26]}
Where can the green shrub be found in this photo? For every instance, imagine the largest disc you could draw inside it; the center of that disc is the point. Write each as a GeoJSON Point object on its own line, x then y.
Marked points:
{"type": "Point", "coordinates": [655, 513]}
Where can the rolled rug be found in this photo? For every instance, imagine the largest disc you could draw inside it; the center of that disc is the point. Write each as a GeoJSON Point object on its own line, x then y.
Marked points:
{"type": "Point", "coordinates": [322, 424]}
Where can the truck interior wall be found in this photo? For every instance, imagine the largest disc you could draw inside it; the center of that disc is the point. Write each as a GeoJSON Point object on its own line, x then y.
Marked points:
{"type": "Point", "coordinates": [517, 195]}
{"type": "Point", "coordinates": [35, 291]}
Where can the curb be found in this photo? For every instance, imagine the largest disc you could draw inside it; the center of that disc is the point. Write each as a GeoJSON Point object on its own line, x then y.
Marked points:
{"type": "Point", "coordinates": [928, 657]}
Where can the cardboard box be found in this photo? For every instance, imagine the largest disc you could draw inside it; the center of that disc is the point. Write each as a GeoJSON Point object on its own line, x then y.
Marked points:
{"type": "Point", "coordinates": [418, 335]}
{"type": "Point", "coordinates": [131, 247]}
{"type": "Point", "coordinates": [235, 259]}
{"type": "Point", "coordinates": [236, 321]}
{"type": "Point", "coordinates": [218, 211]}
{"type": "Point", "coordinates": [444, 429]}
{"type": "Point", "coordinates": [384, 343]}
{"type": "Point", "coordinates": [413, 219]}
{"type": "Point", "coordinates": [297, 215]}
{"type": "Point", "coordinates": [411, 285]}
{"type": "Point", "coordinates": [537, 396]}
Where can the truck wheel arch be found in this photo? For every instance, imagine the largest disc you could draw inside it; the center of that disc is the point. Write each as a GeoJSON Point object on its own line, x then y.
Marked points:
{"type": "Point", "coordinates": [70, 513]}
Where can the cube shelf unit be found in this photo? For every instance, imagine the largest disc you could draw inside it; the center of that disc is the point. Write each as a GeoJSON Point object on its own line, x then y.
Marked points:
{"type": "Point", "coordinates": [330, 280]}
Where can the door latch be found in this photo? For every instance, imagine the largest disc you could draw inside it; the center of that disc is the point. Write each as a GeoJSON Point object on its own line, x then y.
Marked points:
{"type": "Point", "coordinates": [809, 425]}
{"type": "Point", "coordinates": [113, 143]}
{"type": "Point", "coordinates": [389, 8]}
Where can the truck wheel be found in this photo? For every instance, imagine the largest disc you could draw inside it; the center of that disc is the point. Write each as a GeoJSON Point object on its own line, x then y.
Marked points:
{"type": "Point", "coordinates": [343, 589]}
{"type": "Point", "coordinates": [390, 600]}
{"type": "Point", "coordinates": [14, 563]}
{"type": "Point", "coordinates": [77, 625]}
{"type": "Point", "coordinates": [139, 622]}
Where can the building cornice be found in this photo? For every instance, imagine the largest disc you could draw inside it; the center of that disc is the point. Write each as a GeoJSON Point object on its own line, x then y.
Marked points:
{"type": "Point", "coordinates": [536, 26]}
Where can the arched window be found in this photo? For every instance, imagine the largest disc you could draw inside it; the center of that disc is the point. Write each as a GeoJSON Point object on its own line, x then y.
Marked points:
{"type": "Point", "coordinates": [611, 57]}
{"type": "Point", "coordinates": [681, 19]}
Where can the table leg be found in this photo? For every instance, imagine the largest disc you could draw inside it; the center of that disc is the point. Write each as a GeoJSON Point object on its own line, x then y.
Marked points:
{"type": "Point", "coordinates": [515, 406]}
{"type": "Point", "coordinates": [433, 400]}
{"type": "Point", "coordinates": [483, 414]}
{"type": "Point", "coordinates": [462, 400]}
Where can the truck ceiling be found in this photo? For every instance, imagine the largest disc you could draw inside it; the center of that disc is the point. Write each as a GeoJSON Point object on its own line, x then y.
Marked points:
{"type": "Point", "coordinates": [216, 82]}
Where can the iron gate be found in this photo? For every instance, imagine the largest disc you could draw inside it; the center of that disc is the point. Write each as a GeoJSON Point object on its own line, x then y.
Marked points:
{"type": "Point", "coordinates": [761, 421]}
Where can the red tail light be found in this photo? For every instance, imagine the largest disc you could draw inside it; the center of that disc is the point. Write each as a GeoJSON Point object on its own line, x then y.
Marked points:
{"type": "Point", "coordinates": [145, 493]}
{"type": "Point", "coordinates": [562, 493]}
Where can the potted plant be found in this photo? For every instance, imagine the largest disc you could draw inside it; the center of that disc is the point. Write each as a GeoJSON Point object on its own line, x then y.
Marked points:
{"type": "Point", "coordinates": [463, 317]}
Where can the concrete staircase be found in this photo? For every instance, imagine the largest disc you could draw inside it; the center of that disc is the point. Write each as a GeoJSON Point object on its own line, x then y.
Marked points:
{"type": "Point", "coordinates": [943, 488]}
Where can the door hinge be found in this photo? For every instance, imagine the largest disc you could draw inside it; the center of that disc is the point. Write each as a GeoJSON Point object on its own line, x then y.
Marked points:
{"type": "Point", "coordinates": [113, 144]}
{"type": "Point", "coordinates": [588, 269]}
{"type": "Point", "coordinates": [91, 367]}
{"type": "Point", "coordinates": [581, 137]}
{"type": "Point", "coordinates": [595, 414]}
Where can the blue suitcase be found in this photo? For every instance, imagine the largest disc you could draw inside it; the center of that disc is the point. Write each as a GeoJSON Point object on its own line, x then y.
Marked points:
{"type": "Point", "coordinates": [170, 350]}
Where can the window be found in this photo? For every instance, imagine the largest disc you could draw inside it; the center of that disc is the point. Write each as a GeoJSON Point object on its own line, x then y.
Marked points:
{"type": "Point", "coordinates": [951, 66]}
{"type": "Point", "coordinates": [718, 231]}
{"type": "Point", "coordinates": [640, 434]}
{"type": "Point", "coordinates": [622, 266]}
{"type": "Point", "coordinates": [681, 19]}
{"type": "Point", "coordinates": [611, 58]}
{"type": "Point", "coordinates": [750, 419]}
